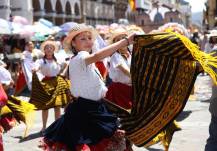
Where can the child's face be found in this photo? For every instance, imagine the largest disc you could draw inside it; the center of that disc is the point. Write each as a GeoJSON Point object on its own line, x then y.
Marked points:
{"type": "Point", "coordinates": [49, 50]}
{"type": "Point", "coordinates": [118, 38]}
{"type": "Point", "coordinates": [83, 42]}
{"type": "Point", "coordinates": [30, 46]}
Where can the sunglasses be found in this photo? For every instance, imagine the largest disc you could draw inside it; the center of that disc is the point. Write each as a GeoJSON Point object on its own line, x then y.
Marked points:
{"type": "Point", "coordinates": [49, 47]}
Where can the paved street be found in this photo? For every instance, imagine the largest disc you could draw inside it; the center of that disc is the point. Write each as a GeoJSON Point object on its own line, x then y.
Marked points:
{"type": "Point", "coordinates": [194, 122]}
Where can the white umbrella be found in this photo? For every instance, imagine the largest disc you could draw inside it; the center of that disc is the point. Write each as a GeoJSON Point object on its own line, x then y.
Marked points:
{"type": "Point", "coordinates": [5, 26]}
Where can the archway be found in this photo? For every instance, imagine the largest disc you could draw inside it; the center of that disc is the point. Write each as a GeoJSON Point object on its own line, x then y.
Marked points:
{"type": "Point", "coordinates": [59, 11]}
{"type": "Point", "coordinates": [68, 12]}
{"type": "Point", "coordinates": [36, 8]}
{"type": "Point", "coordinates": [68, 9]}
{"type": "Point", "coordinates": [36, 5]}
{"type": "Point", "coordinates": [77, 9]}
{"type": "Point", "coordinates": [48, 6]}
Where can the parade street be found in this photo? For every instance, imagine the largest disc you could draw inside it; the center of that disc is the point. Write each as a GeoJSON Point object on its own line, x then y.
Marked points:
{"type": "Point", "coordinates": [194, 122]}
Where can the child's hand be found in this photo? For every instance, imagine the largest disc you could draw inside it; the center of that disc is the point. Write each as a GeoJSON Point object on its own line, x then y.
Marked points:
{"type": "Point", "coordinates": [131, 38]}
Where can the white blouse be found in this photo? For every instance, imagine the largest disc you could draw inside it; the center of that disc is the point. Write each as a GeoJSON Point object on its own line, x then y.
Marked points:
{"type": "Point", "coordinates": [116, 74]}
{"type": "Point", "coordinates": [85, 80]}
{"type": "Point", "coordinates": [49, 68]}
{"type": "Point", "coordinates": [29, 64]}
{"type": "Point", "coordinates": [5, 76]}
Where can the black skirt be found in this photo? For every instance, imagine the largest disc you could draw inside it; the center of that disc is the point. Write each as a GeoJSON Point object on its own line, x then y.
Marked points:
{"type": "Point", "coordinates": [84, 122]}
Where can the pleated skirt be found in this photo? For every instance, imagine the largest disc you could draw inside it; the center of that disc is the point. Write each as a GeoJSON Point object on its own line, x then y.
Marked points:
{"type": "Point", "coordinates": [84, 122]}
{"type": "Point", "coordinates": [49, 93]}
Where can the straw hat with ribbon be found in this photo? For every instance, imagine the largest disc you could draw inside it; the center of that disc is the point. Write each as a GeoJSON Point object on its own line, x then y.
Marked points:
{"type": "Point", "coordinates": [116, 33]}
{"type": "Point", "coordinates": [49, 42]}
{"type": "Point", "coordinates": [75, 30]}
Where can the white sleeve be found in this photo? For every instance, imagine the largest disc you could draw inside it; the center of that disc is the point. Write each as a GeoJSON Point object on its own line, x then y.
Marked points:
{"type": "Point", "coordinates": [116, 60]}
{"type": "Point", "coordinates": [5, 76]}
{"type": "Point", "coordinates": [82, 56]}
{"type": "Point", "coordinates": [39, 63]}
{"type": "Point", "coordinates": [2, 63]}
{"type": "Point", "coordinates": [39, 53]}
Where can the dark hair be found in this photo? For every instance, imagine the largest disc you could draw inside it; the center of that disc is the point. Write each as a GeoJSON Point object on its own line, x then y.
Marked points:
{"type": "Point", "coordinates": [44, 58]}
{"type": "Point", "coordinates": [74, 51]}
{"type": "Point", "coordinates": [213, 40]}
{"type": "Point", "coordinates": [73, 48]}
{"type": "Point", "coordinates": [29, 42]}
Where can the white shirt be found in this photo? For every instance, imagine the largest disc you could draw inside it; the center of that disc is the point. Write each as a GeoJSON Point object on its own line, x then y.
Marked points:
{"type": "Point", "coordinates": [28, 60]}
{"type": "Point", "coordinates": [214, 47]}
{"type": "Point", "coordinates": [61, 55]}
{"type": "Point", "coordinates": [2, 63]}
{"type": "Point", "coordinates": [5, 76]}
{"type": "Point", "coordinates": [35, 52]}
{"type": "Point", "coordinates": [49, 68]}
{"type": "Point", "coordinates": [116, 74]}
{"type": "Point", "coordinates": [85, 82]}
{"type": "Point", "coordinates": [29, 64]}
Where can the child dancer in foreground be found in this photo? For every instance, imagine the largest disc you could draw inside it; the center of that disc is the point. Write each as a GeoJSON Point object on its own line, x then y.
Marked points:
{"type": "Point", "coordinates": [86, 124]}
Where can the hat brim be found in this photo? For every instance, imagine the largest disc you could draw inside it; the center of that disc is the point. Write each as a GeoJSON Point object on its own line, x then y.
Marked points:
{"type": "Point", "coordinates": [49, 42]}
{"type": "Point", "coordinates": [115, 35]}
{"type": "Point", "coordinates": [73, 34]}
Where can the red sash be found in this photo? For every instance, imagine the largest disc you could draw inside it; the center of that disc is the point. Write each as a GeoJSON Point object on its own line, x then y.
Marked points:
{"type": "Point", "coordinates": [3, 96]}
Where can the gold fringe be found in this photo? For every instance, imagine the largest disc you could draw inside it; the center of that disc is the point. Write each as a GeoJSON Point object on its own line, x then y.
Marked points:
{"type": "Point", "coordinates": [23, 111]}
{"type": "Point", "coordinates": [165, 136]}
{"type": "Point", "coordinates": [207, 61]}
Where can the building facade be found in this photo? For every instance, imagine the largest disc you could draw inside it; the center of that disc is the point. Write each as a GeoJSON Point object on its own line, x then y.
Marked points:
{"type": "Point", "coordinates": [18, 7]}
{"type": "Point", "coordinates": [150, 14]}
{"type": "Point", "coordinates": [120, 9]}
{"type": "Point", "coordinates": [99, 11]}
{"type": "Point", "coordinates": [59, 11]}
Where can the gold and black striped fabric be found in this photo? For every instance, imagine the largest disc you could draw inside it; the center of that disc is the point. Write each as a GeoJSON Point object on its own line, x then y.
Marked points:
{"type": "Point", "coordinates": [19, 110]}
{"type": "Point", "coordinates": [163, 73]}
{"type": "Point", "coordinates": [49, 93]}
{"type": "Point", "coordinates": [22, 110]}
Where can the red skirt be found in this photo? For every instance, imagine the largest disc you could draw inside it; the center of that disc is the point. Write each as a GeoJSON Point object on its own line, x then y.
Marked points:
{"type": "Point", "coordinates": [1, 142]}
{"type": "Point", "coordinates": [120, 94]}
{"type": "Point", "coordinates": [20, 83]}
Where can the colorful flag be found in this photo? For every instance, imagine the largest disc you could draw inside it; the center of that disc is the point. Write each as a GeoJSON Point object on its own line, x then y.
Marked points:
{"type": "Point", "coordinates": [132, 4]}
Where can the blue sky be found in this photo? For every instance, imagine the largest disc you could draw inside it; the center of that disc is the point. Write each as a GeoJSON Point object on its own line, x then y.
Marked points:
{"type": "Point", "coordinates": [196, 5]}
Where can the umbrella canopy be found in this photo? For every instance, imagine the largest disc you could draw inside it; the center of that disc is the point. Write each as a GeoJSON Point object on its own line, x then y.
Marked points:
{"type": "Point", "coordinates": [67, 26]}
{"type": "Point", "coordinates": [27, 31]}
{"type": "Point", "coordinates": [20, 20]}
{"type": "Point", "coordinates": [43, 29]}
{"type": "Point", "coordinates": [5, 27]}
{"type": "Point", "coordinates": [46, 22]}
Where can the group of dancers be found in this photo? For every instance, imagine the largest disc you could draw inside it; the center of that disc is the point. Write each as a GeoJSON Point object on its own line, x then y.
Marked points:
{"type": "Point", "coordinates": [85, 85]}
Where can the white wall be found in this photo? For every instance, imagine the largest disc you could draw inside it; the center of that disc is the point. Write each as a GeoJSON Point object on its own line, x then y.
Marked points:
{"type": "Point", "coordinates": [24, 9]}
{"type": "Point", "coordinates": [5, 9]}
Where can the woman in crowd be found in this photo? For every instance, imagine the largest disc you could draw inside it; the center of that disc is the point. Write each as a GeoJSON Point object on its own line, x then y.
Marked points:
{"type": "Point", "coordinates": [120, 90]}
{"type": "Point", "coordinates": [24, 69]}
{"type": "Point", "coordinates": [30, 55]}
{"type": "Point", "coordinates": [52, 91]}
{"type": "Point", "coordinates": [87, 124]}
